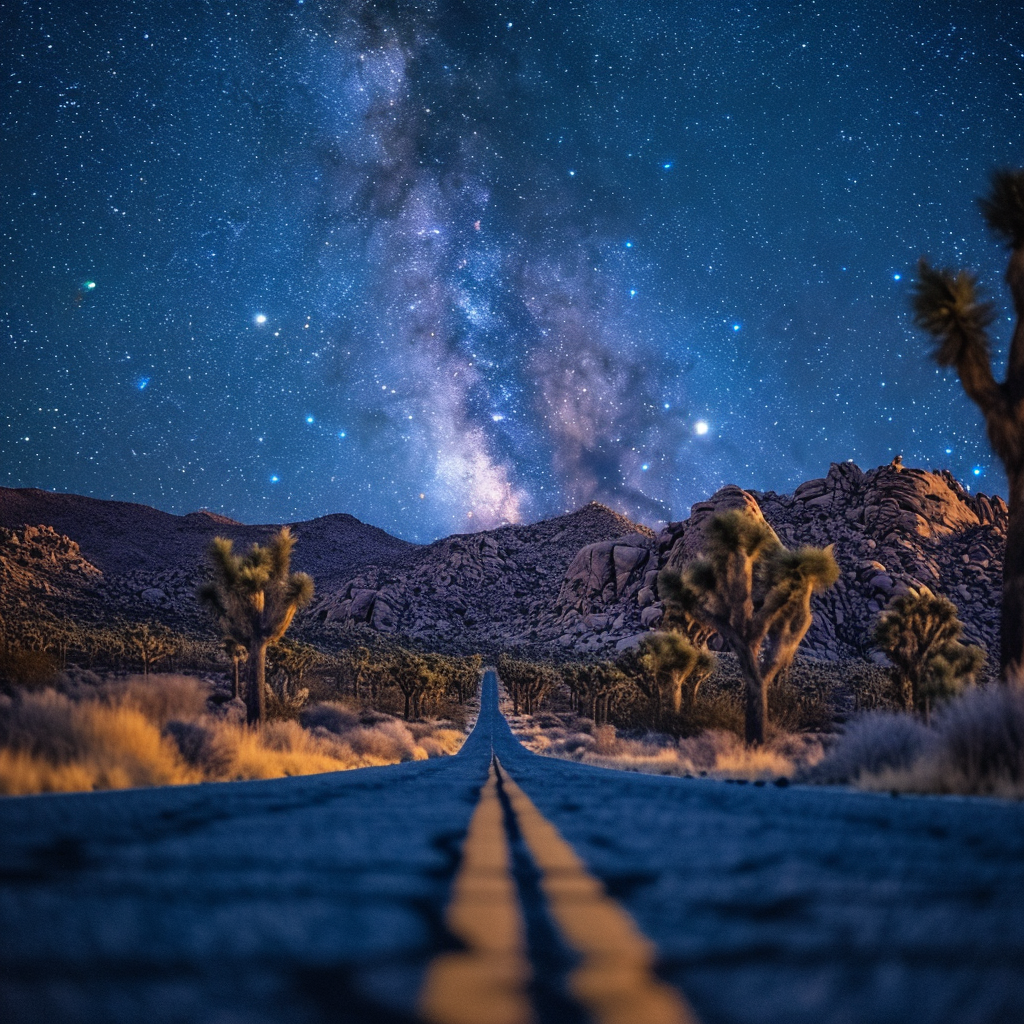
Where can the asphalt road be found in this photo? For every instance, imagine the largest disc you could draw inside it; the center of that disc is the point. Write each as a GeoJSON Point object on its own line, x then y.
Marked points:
{"type": "Point", "coordinates": [580, 895]}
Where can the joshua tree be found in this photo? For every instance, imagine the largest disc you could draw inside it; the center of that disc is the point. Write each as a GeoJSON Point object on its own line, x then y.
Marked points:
{"type": "Point", "coordinates": [756, 595]}
{"type": "Point", "coordinates": [527, 682]}
{"type": "Point", "coordinates": [947, 306]}
{"type": "Point", "coordinates": [919, 633]}
{"type": "Point", "coordinates": [151, 645]}
{"type": "Point", "coordinates": [672, 669]}
{"type": "Point", "coordinates": [594, 685]}
{"type": "Point", "coordinates": [465, 675]}
{"type": "Point", "coordinates": [254, 598]}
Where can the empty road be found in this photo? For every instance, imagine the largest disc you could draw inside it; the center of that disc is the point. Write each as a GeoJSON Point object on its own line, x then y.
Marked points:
{"type": "Point", "coordinates": [497, 886]}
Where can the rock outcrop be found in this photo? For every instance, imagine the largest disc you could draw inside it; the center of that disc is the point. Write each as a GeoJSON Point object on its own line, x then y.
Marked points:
{"type": "Point", "coordinates": [40, 567]}
{"type": "Point", "coordinates": [892, 528]}
{"type": "Point", "coordinates": [514, 584]}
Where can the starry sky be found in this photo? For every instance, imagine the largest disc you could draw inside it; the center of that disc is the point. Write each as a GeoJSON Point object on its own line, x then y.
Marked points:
{"type": "Point", "coordinates": [453, 263]}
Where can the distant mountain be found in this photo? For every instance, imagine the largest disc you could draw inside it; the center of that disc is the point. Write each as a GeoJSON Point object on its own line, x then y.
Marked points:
{"type": "Point", "coordinates": [120, 537]}
{"type": "Point", "coordinates": [584, 583]}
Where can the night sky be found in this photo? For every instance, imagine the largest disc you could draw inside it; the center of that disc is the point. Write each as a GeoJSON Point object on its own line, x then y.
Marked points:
{"type": "Point", "coordinates": [442, 265]}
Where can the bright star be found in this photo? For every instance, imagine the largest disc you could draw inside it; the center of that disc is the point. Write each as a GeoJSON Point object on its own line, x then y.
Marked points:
{"type": "Point", "coordinates": [895, 277]}
{"type": "Point", "coordinates": [667, 166]}
{"type": "Point", "coordinates": [735, 327]}
{"type": "Point", "coordinates": [700, 427]}
{"type": "Point", "coordinates": [89, 285]}
{"type": "Point", "coordinates": [497, 417]}
{"type": "Point", "coordinates": [645, 467]}
{"type": "Point", "coordinates": [977, 470]}
{"type": "Point", "coordinates": [309, 419]}
{"type": "Point", "coordinates": [629, 245]}
{"type": "Point", "coordinates": [143, 381]}
{"type": "Point", "coordinates": [260, 318]}
{"type": "Point", "coordinates": [572, 174]}
{"type": "Point", "coordinates": [274, 479]}
{"type": "Point", "coordinates": [632, 293]}
{"type": "Point", "coordinates": [341, 434]}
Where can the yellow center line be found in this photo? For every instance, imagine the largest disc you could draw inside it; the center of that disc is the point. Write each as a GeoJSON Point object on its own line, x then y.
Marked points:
{"type": "Point", "coordinates": [487, 980]}
{"type": "Point", "coordinates": [615, 980]}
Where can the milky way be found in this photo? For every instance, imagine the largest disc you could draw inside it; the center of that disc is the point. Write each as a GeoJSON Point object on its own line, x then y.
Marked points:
{"type": "Point", "coordinates": [446, 265]}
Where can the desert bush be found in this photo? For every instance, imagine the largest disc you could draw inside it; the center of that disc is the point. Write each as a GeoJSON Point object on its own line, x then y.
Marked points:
{"type": "Point", "coordinates": [161, 730]}
{"type": "Point", "coordinates": [333, 717]}
{"type": "Point", "coordinates": [982, 740]}
{"type": "Point", "coordinates": [51, 743]}
{"type": "Point", "coordinates": [158, 697]}
{"type": "Point", "coordinates": [872, 743]}
{"type": "Point", "coordinates": [974, 746]}
{"type": "Point", "coordinates": [977, 749]}
{"type": "Point", "coordinates": [716, 754]}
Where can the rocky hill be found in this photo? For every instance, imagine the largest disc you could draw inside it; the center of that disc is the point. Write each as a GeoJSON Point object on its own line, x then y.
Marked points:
{"type": "Point", "coordinates": [144, 562]}
{"type": "Point", "coordinates": [511, 584]}
{"type": "Point", "coordinates": [584, 583]}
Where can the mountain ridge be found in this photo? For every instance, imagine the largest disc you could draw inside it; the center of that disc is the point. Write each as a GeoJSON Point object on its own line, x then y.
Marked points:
{"type": "Point", "coordinates": [580, 584]}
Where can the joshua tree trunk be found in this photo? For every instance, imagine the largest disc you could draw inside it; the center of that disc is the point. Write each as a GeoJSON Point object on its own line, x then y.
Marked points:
{"type": "Point", "coordinates": [1012, 633]}
{"type": "Point", "coordinates": [756, 703]}
{"type": "Point", "coordinates": [255, 700]}
{"type": "Point", "coordinates": [234, 685]}
{"type": "Point", "coordinates": [756, 718]}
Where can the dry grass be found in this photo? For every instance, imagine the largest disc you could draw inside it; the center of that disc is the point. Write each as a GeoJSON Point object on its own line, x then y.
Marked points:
{"type": "Point", "coordinates": [164, 731]}
{"type": "Point", "coordinates": [713, 753]}
{"type": "Point", "coordinates": [974, 747]}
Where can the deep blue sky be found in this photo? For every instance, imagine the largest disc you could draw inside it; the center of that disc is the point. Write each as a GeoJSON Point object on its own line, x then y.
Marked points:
{"type": "Point", "coordinates": [414, 261]}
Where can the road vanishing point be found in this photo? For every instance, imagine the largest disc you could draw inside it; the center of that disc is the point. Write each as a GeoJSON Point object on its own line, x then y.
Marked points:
{"type": "Point", "coordinates": [500, 887]}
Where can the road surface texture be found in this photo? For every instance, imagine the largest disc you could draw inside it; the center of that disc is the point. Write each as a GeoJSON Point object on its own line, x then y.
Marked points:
{"type": "Point", "coordinates": [498, 887]}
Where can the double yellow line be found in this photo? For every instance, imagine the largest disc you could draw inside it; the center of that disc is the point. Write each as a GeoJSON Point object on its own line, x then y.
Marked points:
{"type": "Point", "coordinates": [487, 981]}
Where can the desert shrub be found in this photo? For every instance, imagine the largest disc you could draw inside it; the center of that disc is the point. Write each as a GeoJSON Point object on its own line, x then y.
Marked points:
{"type": "Point", "coordinates": [873, 743]}
{"type": "Point", "coordinates": [795, 708]}
{"type": "Point", "coordinates": [717, 754]}
{"type": "Point", "coordinates": [975, 746]}
{"type": "Point", "coordinates": [333, 717]}
{"type": "Point", "coordinates": [977, 749]}
{"type": "Point", "coordinates": [442, 742]}
{"type": "Point", "coordinates": [161, 731]}
{"type": "Point", "coordinates": [159, 697]}
{"type": "Point", "coordinates": [981, 740]}
{"type": "Point", "coordinates": [198, 746]}
{"type": "Point", "coordinates": [718, 708]}
{"type": "Point", "coordinates": [873, 687]}
{"type": "Point", "coordinates": [51, 743]}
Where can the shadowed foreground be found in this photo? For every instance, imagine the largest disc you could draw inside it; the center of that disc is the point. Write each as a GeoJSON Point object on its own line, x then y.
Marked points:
{"type": "Point", "coordinates": [336, 898]}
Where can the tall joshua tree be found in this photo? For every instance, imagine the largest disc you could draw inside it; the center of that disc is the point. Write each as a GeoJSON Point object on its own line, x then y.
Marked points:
{"type": "Point", "coordinates": [254, 598]}
{"type": "Point", "coordinates": [947, 306]}
{"type": "Point", "coordinates": [756, 594]}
